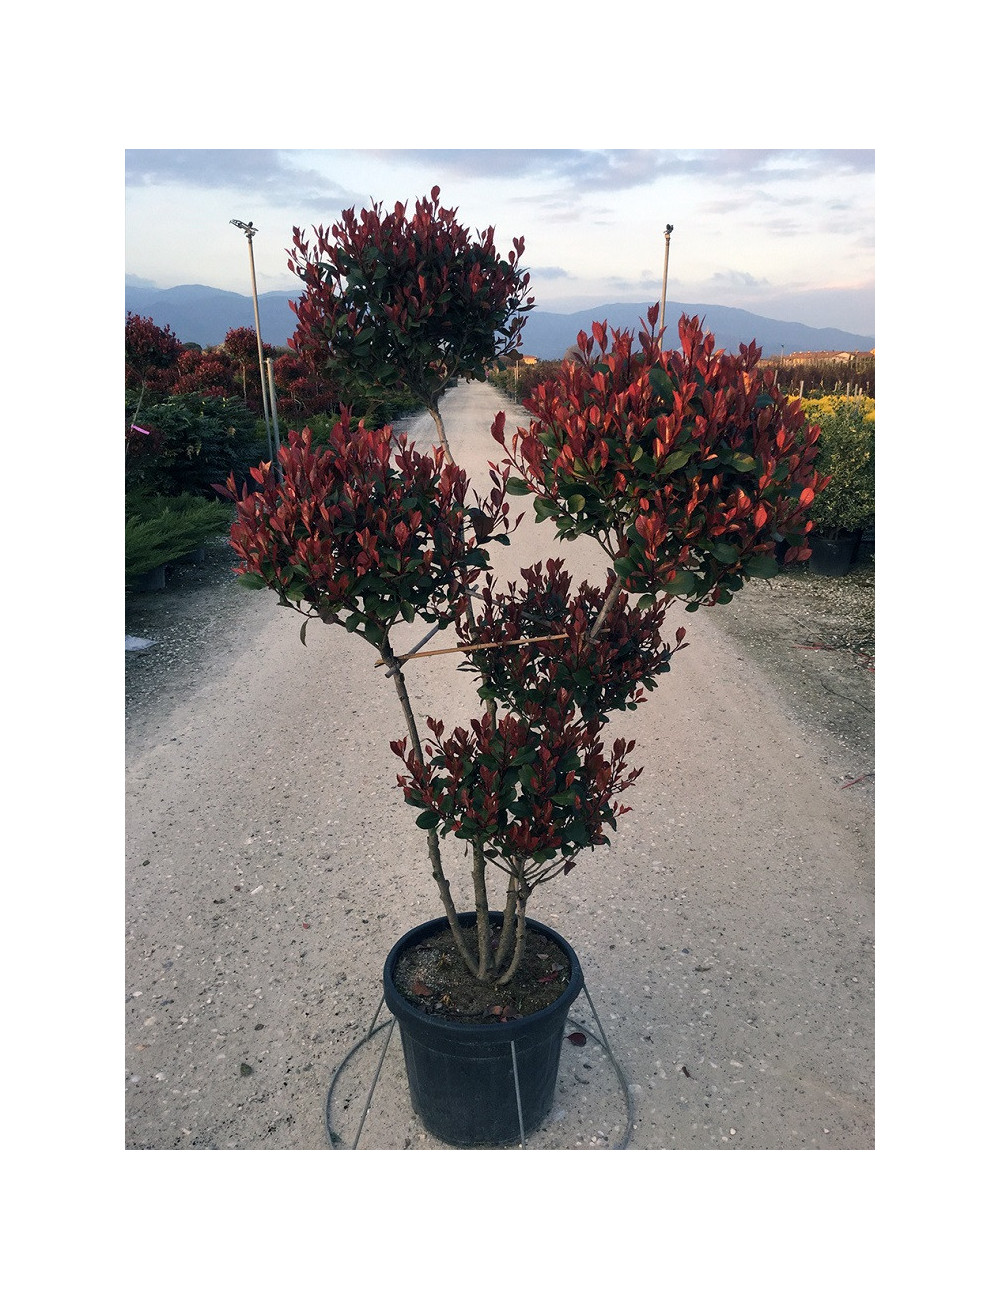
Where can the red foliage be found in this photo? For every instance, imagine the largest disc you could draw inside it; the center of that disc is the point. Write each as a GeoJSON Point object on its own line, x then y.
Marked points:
{"type": "Point", "coordinates": [151, 354]}
{"type": "Point", "coordinates": [406, 301]}
{"type": "Point", "coordinates": [688, 467]}
{"type": "Point", "coordinates": [532, 792]}
{"type": "Point", "coordinates": [368, 528]}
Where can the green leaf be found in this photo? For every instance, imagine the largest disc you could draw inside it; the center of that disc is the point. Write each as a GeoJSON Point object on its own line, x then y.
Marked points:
{"type": "Point", "coordinates": [252, 580]}
{"type": "Point", "coordinates": [543, 509]}
{"type": "Point", "coordinates": [675, 460]}
{"type": "Point", "coordinates": [624, 567]}
{"type": "Point", "coordinates": [724, 552]}
{"type": "Point", "coordinates": [761, 566]}
{"type": "Point", "coordinates": [661, 384]}
{"type": "Point", "coordinates": [516, 487]}
{"type": "Point", "coordinates": [427, 820]}
{"type": "Point", "coordinates": [682, 585]}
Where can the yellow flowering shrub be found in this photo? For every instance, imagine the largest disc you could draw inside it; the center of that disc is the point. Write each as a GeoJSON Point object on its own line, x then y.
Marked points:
{"type": "Point", "coordinates": [847, 454]}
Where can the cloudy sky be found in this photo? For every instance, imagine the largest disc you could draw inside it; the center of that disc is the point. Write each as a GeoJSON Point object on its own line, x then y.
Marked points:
{"type": "Point", "coordinates": [787, 233]}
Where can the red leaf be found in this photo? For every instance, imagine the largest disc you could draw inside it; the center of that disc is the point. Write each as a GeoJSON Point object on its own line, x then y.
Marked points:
{"type": "Point", "coordinates": [577, 1039]}
{"type": "Point", "coordinates": [421, 989]}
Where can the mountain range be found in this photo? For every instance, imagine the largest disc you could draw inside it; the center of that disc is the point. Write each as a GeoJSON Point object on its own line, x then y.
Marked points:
{"type": "Point", "coordinates": [199, 314]}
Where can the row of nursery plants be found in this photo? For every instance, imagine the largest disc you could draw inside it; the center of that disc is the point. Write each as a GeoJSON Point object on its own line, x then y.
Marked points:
{"type": "Point", "coordinates": [819, 378]}
{"type": "Point", "coordinates": [687, 467]}
{"type": "Point", "coordinates": [194, 416]}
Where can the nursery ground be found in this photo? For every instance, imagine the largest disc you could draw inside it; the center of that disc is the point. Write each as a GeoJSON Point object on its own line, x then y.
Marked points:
{"type": "Point", "coordinates": [726, 935]}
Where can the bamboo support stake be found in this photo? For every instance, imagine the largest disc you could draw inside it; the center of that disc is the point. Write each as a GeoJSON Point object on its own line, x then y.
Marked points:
{"type": "Point", "coordinates": [484, 645]}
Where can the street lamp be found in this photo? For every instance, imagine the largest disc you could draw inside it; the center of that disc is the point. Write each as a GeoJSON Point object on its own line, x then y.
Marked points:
{"type": "Point", "coordinates": [663, 296]}
{"type": "Point", "coordinates": [249, 231]}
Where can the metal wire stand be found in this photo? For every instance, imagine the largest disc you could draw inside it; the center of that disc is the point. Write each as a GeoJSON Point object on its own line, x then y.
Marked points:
{"type": "Point", "coordinates": [374, 1029]}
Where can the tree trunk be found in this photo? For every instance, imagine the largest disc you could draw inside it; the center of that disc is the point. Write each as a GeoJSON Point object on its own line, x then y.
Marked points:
{"type": "Point", "coordinates": [433, 844]}
{"type": "Point", "coordinates": [442, 438]}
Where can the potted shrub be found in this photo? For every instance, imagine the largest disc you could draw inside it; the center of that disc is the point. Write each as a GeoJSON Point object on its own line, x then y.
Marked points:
{"type": "Point", "coordinates": [161, 530]}
{"type": "Point", "coordinates": [684, 466]}
{"type": "Point", "coordinates": [847, 458]}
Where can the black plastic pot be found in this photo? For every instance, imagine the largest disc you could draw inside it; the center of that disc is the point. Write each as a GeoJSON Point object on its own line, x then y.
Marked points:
{"type": "Point", "coordinates": [154, 580]}
{"type": "Point", "coordinates": [832, 557]}
{"type": "Point", "coordinates": [461, 1077]}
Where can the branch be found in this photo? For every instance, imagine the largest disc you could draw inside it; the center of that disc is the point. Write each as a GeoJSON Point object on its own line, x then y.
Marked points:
{"type": "Point", "coordinates": [481, 645]}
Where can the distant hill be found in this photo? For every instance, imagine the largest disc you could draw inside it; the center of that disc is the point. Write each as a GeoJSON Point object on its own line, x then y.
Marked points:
{"type": "Point", "coordinates": [199, 314]}
{"type": "Point", "coordinates": [548, 334]}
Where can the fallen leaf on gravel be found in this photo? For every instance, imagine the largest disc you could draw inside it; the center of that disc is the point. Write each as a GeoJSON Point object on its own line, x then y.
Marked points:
{"type": "Point", "coordinates": [577, 1040]}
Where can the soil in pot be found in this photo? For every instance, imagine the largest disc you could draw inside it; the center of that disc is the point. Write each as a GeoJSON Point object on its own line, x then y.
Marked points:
{"type": "Point", "coordinates": [433, 977]}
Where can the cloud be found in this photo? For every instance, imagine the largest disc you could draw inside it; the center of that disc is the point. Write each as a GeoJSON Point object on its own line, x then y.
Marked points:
{"type": "Point", "coordinates": [261, 173]}
{"type": "Point", "coordinates": [549, 273]}
{"type": "Point", "coordinates": [618, 169]}
{"type": "Point", "coordinates": [737, 280]}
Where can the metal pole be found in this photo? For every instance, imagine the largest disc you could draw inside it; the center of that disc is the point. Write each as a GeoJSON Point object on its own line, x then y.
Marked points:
{"type": "Point", "coordinates": [663, 296]}
{"type": "Point", "coordinates": [249, 231]}
{"type": "Point", "coordinates": [274, 406]}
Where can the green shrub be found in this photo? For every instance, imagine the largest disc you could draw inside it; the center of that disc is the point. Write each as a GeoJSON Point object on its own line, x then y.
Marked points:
{"type": "Point", "coordinates": [195, 441]}
{"type": "Point", "coordinates": [847, 454]}
{"type": "Point", "coordinates": [159, 530]}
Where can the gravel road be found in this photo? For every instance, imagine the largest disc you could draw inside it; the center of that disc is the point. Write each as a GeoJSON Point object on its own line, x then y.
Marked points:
{"type": "Point", "coordinates": [726, 935]}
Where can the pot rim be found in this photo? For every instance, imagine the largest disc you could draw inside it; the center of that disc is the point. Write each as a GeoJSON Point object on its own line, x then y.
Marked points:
{"type": "Point", "coordinates": [499, 1029]}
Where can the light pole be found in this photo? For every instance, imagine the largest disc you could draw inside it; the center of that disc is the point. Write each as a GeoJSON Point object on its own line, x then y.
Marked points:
{"type": "Point", "coordinates": [249, 231]}
{"type": "Point", "coordinates": [663, 296]}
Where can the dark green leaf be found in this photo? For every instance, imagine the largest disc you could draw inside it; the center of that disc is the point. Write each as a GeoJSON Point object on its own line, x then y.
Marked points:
{"type": "Point", "coordinates": [682, 585]}
{"type": "Point", "coordinates": [675, 460]}
{"type": "Point", "coordinates": [761, 566]}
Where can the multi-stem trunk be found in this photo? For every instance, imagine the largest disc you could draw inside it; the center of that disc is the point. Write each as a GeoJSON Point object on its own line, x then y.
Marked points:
{"type": "Point", "coordinates": [483, 934]}
{"type": "Point", "coordinates": [433, 844]}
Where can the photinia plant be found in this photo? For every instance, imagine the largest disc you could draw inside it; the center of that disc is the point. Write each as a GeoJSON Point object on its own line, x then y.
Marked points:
{"type": "Point", "coordinates": [687, 467]}
{"type": "Point", "coordinates": [366, 531]}
{"type": "Point", "coordinates": [597, 674]}
{"type": "Point", "coordinates": [407, 302]}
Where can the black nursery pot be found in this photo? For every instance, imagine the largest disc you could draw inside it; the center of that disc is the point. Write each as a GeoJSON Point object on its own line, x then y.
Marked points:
{"type": "Point", "coordinates": [461, 1077]}
{"type": "Point", "coordinates": [832, 557]}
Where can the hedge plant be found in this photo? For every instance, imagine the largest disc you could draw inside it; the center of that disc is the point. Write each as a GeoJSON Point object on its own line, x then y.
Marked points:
{"type": "Point", "coordinates": [159, 530]}
{"type": "Point", "coordinates": [847, 456]}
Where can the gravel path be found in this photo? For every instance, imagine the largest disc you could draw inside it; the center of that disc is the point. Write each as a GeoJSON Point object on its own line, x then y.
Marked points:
{"type": "Point", "coordinates": [726, 935]}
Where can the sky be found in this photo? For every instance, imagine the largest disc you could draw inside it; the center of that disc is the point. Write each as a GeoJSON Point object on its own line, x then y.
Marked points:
{"type": "Point", "coordinates": [786, 233]}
